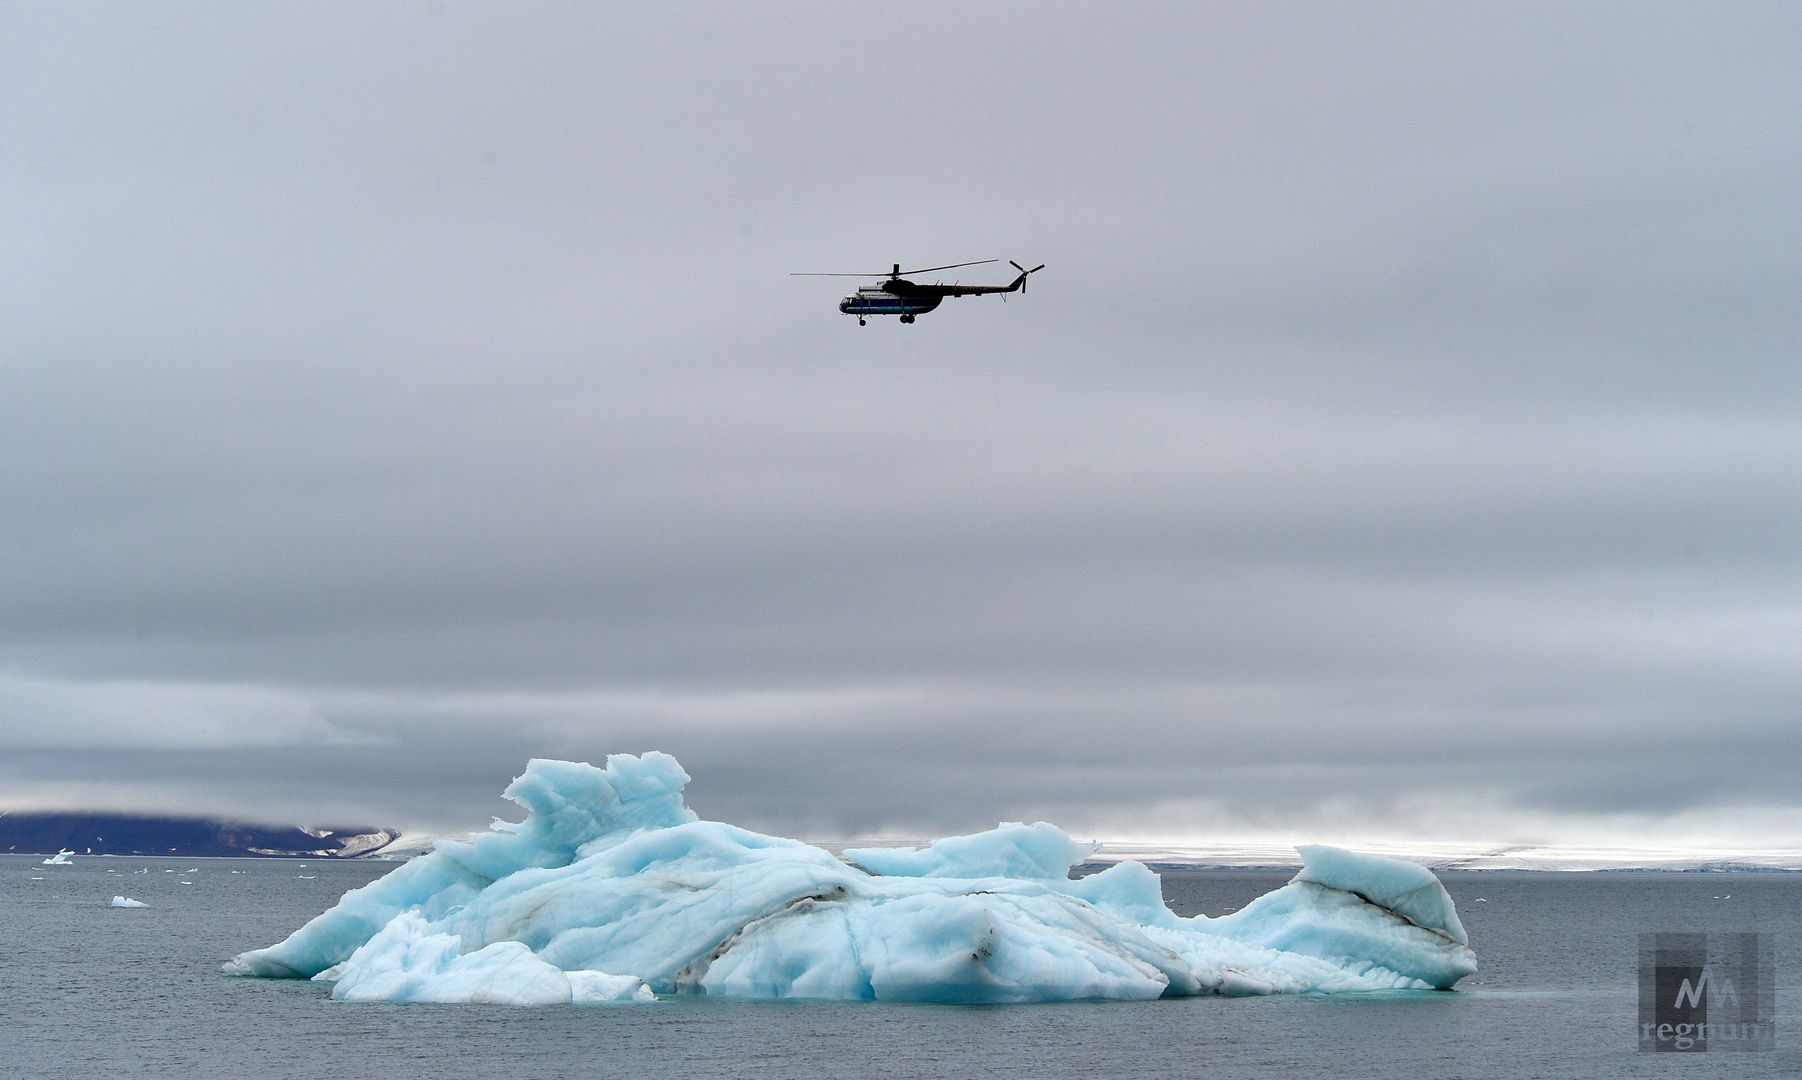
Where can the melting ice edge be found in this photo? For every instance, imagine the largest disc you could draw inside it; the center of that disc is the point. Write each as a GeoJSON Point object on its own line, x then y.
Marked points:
{"type": "Point", "coordinates": [612, 889]}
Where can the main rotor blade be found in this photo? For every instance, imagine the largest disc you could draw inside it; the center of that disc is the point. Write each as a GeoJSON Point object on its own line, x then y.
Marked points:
{"type": "Point", "coordinates": [953, 266]}
{"type": "Point", "coordinates": [892, 274]}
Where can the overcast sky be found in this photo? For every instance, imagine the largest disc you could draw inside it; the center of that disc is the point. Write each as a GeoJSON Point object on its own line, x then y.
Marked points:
{"type": "Point", "coordinates": [1401, 443]}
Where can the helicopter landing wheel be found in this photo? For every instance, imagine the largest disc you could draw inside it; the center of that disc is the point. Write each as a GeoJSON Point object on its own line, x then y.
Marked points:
{"type": "Point", "coordinates": [860, 322]}
{"type": "Point", "coordinates": [907, 318]}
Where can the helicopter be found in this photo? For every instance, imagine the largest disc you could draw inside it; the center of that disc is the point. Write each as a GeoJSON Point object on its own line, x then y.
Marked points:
{"type": "Point", "coordinates": [899, 296]}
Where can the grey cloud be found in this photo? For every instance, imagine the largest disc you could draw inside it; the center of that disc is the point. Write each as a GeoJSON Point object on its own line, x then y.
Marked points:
{"type": "Point", "coordinates": [1407, 408]}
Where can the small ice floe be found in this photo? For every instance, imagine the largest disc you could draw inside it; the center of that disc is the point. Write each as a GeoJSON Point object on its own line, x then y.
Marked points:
{"type": "Point", "coordinates": [187, 883]}
{"type": "Point", "coordinates": [37, 877]}
{"type": "Point", "coordinates": [61, 858]}
{"type": "Point", "coordinates": [307, 877]}
{"type": "Point", "coordinates": [112, 871]}
{"type": "Point", "coordinates": [192, 870]}
{"type": "Point", "coordinates": [1482, 900]}
{"type": "Point", "coordinates": [126, 901]}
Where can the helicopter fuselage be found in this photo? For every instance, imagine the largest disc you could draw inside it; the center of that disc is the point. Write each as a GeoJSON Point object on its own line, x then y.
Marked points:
{"type": "Point", "coordinates": [890, 298]}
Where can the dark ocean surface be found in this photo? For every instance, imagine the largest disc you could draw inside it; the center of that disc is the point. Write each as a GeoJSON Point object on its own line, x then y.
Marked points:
{"type": "Point", "coordinates": [94, 991]}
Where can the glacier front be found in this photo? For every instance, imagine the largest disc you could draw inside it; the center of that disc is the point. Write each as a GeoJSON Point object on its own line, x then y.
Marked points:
{"type": "Point", "coordinates": [612, 889]}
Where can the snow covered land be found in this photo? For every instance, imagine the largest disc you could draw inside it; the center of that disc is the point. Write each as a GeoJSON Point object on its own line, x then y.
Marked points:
{"type": "Point", "coordinates": [1446, 856]}
{"type": "Point", "coordinates": [612, 889]}
{"type": "Point", "coordinates": [100, 832]}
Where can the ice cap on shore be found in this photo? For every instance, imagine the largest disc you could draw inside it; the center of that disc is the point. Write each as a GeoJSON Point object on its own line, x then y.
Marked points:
{"type": "Point", "coordinates": [612, 889]}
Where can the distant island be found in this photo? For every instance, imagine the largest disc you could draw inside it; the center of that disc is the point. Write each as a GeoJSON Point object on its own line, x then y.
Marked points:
{"type": "Point", "coordinates": [30, 833]}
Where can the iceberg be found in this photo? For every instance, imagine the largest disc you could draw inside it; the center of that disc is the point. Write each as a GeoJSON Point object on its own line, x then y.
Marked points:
{"type": "Point", "coordinates": [612, 889]}
{"type": "Point", "coordinates": [126, 901]}
{"type": "Point", "coordinates": [61, 858]}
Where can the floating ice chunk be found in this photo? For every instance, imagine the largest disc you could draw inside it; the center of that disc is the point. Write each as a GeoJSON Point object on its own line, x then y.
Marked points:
{"type": "Point", "coordinates": [611, 873]}
{"type": "Point", "coordinates": [61, 858]}
{"type": "Point", "coordinates": [126, 901]}
{"type": "Point", "coordinates": [594, 987]}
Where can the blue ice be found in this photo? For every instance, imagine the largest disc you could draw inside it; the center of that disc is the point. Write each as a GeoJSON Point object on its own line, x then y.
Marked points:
{"type": "Point", "coordinates": [611, 889]}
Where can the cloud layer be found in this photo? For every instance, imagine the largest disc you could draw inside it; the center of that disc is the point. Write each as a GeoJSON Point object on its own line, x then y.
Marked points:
{"type": "Point", "coordinates": [1400, 442]}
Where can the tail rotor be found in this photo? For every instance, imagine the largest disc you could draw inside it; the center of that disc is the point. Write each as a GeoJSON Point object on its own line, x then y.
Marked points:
{"type": "Point", "coordinates": [1024, 274]}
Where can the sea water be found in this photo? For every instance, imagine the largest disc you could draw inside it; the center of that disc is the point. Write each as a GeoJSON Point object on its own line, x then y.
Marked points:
{"type": "Point", "coordinates": [87, 989]}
